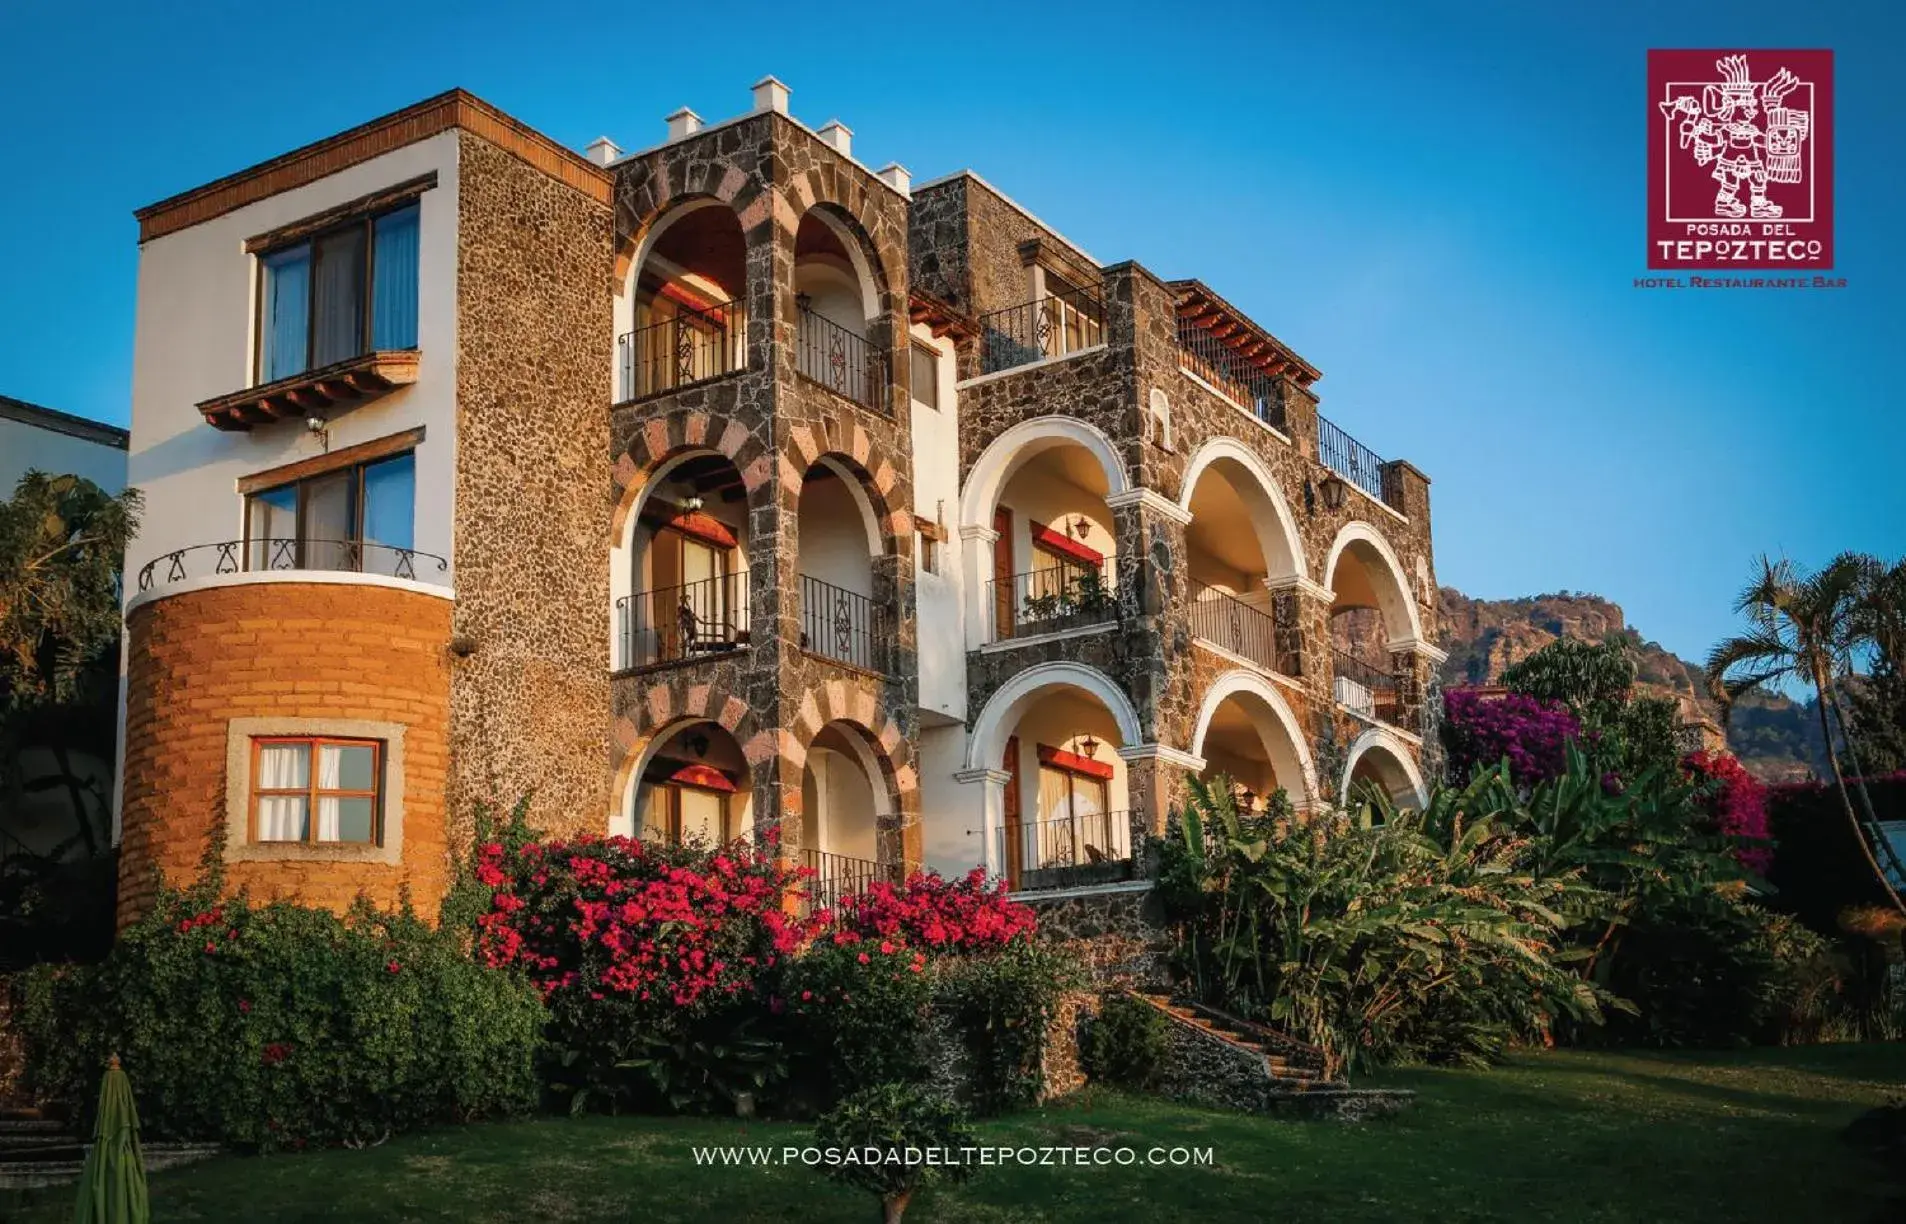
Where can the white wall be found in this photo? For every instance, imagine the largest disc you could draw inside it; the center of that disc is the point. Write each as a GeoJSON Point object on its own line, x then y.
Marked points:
{"type": "Point", "coordinates": [832, 536]}
{"type": "Point", "coordinates": [952, 813]}
{"type": "Point", "coordinates": [839, 802]}
{"type": "Point", "coordinates": [194, 340]}
{"type": "Point", "coordinates": [27, 447]}
{"type": "Point", "coordinates": [936, 499]}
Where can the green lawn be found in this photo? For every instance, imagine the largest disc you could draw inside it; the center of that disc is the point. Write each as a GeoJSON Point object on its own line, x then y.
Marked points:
{"type": "Point", "coordinates": [1564, 1136]}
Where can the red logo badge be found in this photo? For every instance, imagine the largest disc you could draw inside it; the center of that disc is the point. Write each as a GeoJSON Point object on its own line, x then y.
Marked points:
{"type": "Point", "coordinates": [1740, 159]}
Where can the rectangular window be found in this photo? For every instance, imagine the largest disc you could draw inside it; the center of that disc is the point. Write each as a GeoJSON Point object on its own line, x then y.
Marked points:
{"type": "Point", "coordinates": [339, 294]}
{"type": "Point", "coordinates": [307, 789]}
{"type": "Point", "coordinates": [678, 814]}
{"type": "Point", "coordinates": [359, 517]}
{"type": "Point", "coordinates": [925, 376]}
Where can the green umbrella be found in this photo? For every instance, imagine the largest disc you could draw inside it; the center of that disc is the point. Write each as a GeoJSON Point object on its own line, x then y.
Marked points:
{"type": "Point", "coordinates": [112, 1186]}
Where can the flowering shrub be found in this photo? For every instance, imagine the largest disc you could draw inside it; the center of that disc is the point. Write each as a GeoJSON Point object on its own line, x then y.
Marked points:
{"type": "Point", "coordinates": [858, 1008]}
{"type": "Point", "coordinates": [1736, 802]}
{"type": "Point", "coordinates": [1002, 1004]}
{"type": "Point", "coordinates": [1480, 730]}
{"type": "Point", "coordinates": [279, 1026]}
{"type": "Point", "coordinates": [637, 947]}
{"type": "Point", "coordinates": [930, 912]}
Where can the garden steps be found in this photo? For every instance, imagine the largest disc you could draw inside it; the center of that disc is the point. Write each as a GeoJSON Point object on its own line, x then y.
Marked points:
{"type": "Point", "coordinates": [1289, 1064]}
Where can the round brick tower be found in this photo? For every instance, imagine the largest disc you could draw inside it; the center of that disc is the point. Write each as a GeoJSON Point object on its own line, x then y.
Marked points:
{"type": "Point", "coordinates": [293, 725]}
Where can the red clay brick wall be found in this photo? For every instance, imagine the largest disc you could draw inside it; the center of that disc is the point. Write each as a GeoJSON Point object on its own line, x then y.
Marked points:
{"type": "Point", "coordinates": [198, 659]}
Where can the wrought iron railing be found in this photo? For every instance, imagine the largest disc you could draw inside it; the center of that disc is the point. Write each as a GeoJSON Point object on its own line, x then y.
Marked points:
{"type": "Point", "coordinates": [690, 621]}
{"type": "Point", "coordinates": [1351, 460]}
{"type": "Point", "coordinates": [1363, 686]}
{"type": "Point", "coordinates": [1055, 598]}
{"type": "Point", "coordinates": [840, 360]}
{"type": "Point", "coordinates": [286, 553]}
{"type": "Point", "coordinates": [1067, 851]}
{"type": "Point", "coordinates": [691, 346]}
{"type": "Point", "coordinates": [1227, 621]}
{"type": "Point", "coordinates": [1052, 326]}
{"type": "Point", "coordinates": [840, 875]}
{"type": "Point", "coordinates": [844, 625]}
{"type": "Point", "coordinates": [1250, 388]}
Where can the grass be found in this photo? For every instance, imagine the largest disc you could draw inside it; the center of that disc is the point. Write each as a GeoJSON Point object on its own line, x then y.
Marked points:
{"type": "Point", "coordinates": [1569, 1135]}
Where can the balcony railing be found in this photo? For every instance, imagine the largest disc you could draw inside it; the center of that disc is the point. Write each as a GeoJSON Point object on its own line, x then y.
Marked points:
{"type": "Point", "coordinates": [1227, 621]}
{"type": "Point", "coordinates": [274, 553]}
{"type": "Point", "coordinates": [844, 625]}
{"type": "Point", "coordinates": [840, 875]}
{"type": "Point", "coordinates": [1364, 687]}
{"type": "Point", "coordinates": [690, 621]}
{"type": "Point", "coordinates": [843, 362]}
{"type": "Point", "coordinates": [1351, 460]}
{"type": "Point", "coordinates": [1067, 851]}
{"type": "Point", "coordinates": [1052, 326]}
{"type": "Point", "coordinates": [689, 347]}
{"type": "Point", "coordinates": [1048, 600]}
{"type": "Point", "coordinates": [1250, 388]}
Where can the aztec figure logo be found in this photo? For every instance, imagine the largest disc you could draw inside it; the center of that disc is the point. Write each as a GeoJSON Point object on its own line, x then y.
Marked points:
{"type": "Point", "coordinates": [1740, 170]}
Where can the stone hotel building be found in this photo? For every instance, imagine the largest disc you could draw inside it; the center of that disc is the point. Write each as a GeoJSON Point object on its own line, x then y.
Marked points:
{"type": "Point", "coordinates": [723, 486]}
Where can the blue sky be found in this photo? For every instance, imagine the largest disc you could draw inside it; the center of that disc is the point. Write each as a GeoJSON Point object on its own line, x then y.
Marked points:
{"type": "Point", "coordinates": [1440, 205]}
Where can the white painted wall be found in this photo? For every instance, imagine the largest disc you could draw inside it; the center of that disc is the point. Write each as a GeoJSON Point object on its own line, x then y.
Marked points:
{"type": "Point", "coordinates": [832, 536]}
{"type": "Point", "coordinates": [194, 340]}
{"type": "Point", "coordinates": [25, 447]}
{"type": "Point", "coordinates": [839, 801]}
{"type": "Point", "coordinates": [952, 813]}
{"type": "Point", "coordinates": [936, 499]}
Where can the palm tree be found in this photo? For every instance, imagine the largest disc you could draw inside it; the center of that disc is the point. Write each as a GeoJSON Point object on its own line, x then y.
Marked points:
{"type": "Point", "coordinates": [1802, 628]}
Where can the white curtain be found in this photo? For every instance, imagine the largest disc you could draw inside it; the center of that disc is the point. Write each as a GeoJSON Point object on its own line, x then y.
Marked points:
{"type": "Point", "coordinates": [330, 771]}
{"type": "Point", "coordinates": [283, 767]}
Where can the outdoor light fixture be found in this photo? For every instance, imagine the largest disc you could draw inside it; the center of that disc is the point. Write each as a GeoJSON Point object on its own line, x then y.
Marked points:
{"type": "Point", "coordinates": [1080, 526]}
{"type": "Point", "coordinates": [1088, 747]}
{"type": "Point", "coordinates": [692, 504]}
{"type": "Point", "coordinates": [697, 744]}
{"type": "Point", "coordinates": [315, 424]}
{"type": "Point", "coordinates": [1333, 493]}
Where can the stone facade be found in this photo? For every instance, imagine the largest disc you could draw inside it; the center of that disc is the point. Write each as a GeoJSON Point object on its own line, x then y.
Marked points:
{"type": "Point", "coordinates": [533, 370]}
{"type": "Point", "coordinates": [198, 660]}
{"type": "Point", "coordinates": [774, 425]}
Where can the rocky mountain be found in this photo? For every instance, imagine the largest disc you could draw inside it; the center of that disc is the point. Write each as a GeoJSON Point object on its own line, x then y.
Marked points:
{"type": "Point", "coordinates": [1775, 737]}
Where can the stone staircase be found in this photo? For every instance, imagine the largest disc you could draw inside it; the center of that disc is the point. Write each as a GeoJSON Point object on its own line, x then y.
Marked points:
{"type": "Point", "coordinates": [1216, 1058]}
{"type": "Point", "coordinates": [40, 1151]}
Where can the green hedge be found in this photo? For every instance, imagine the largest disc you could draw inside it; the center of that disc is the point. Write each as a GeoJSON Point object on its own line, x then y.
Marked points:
{"type": "Point", "coordinates": [279, 1026]}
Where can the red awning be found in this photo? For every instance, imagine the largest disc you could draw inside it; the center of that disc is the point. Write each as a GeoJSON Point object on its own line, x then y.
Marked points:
{"type": "Point", "coordinates": [703, 527]}
{"type": "Point", "coordinates": [1072, 762]}
{"type": "Point", "coordinates": [686, 773]}
{"type": "Point", "coordinates": [1059, 542]}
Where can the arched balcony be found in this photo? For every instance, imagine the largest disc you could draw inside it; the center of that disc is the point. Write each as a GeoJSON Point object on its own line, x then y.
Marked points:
{"type": "Point", "coordinates": [838, 326]}
{"type": "Point", "coordinates": [693, 787]}
{"type": "Point", "coordinates": [838, 540]}
{"type": "Point", "coordinates": [844, 796]}
{"type": "Point", "coordinates": [1247, 732]}
{"type": "Point", "coordinates": [686, 318]}
{"type": "Point", "coordinates": [1041, 538]}
{"type": "Point", "coordinates": [1241, 543]}
{"type": "Point", "coordinates": [1050, 739]}
{"type": "Point", "coordinates": [679, 575]}
{"type": "Point", "coordinates": [1372, 614]}
{"type": "Point", "coordinates": [1378, 763]}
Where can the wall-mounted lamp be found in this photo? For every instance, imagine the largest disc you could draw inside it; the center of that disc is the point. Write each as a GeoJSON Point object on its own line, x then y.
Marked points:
{"type": "Point", "coordinates": [697, 744]}
{"type": "Point", "coordinates": [1333, 491]}
{"type": "Point", "coordinates": [1088, 747]}
{"type": "Point", "coordinates": [692, 504]}
{"type": "Point", "coordinates": [1080, 527]}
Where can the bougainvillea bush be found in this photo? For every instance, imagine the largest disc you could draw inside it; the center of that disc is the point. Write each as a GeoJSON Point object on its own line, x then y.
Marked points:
{"type": "Point", "coordinates": [649, 957]}
{"type": "Point", "coordinates": [1480, 730]}
{"type": "Point", "coordinates": [857, 1010]}
{"type": "Point", "coordinates": [962, 915]}
{"type": "Point", "coordinates": [1735, 803]}
{"type": "Point", "coordinates": [278, 1026]}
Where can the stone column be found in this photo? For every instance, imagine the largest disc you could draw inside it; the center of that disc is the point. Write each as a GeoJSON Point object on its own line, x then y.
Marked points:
{"type": "Point", "coordinates": [1302, 609]}
{"type": "Point", "coordinates": [1415, 665]}
{"type": "Point", "coordinates": [989, 805]}
{"type": "Point", "coordinates": [1154, 592]}
{"type": "Point", "coordinates": [1154, 782]}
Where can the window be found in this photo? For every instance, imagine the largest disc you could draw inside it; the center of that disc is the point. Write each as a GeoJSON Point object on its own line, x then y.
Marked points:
{"type": "Point", "coordinates": [359, 517]}
{"type": "Point", "coordinates": [1073, 807]}
{"type": "Point", "coordinates": [339, 294]}
{"type": "Point", "coordinates": [1072, 315]}
{"type": "Point", "coordinates": [316, 790]}
{"type": "Point", "coordinates": [925, 377]}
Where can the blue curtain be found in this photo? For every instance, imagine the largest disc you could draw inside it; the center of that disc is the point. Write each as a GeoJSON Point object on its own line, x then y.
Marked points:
{"type": "Point", "coordinates": [394, 281]}
{"type": "Point", "coordinates": [287, 304]}
{"type": "Point", "coordinates": [390, 501]}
